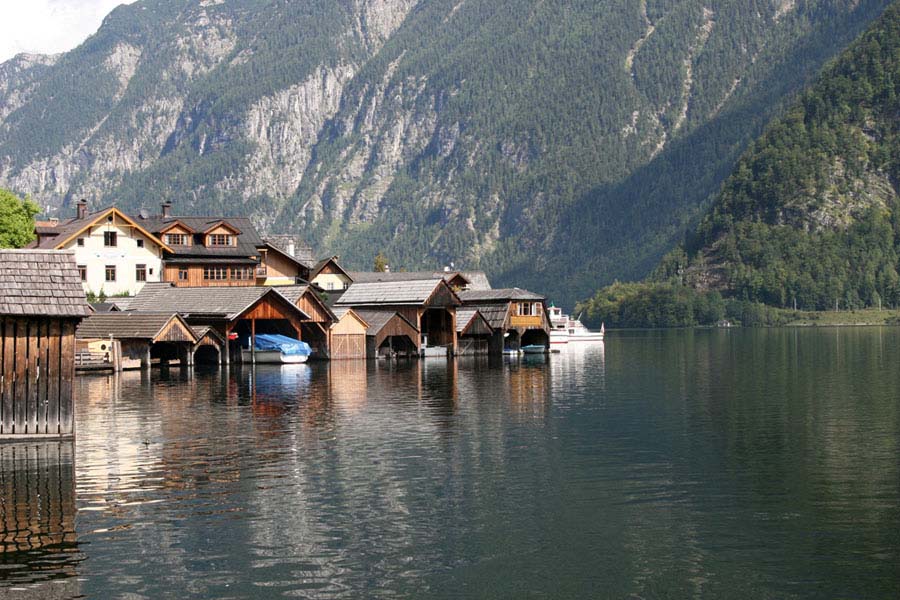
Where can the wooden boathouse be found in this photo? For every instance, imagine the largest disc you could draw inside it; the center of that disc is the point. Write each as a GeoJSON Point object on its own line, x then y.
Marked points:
{"type": "Point", "coordinates": [41, 303]}
{"type": "Point", "coordinates": [429, 305]}
{"type": "Point", "coordinates": [348, 335]}
{"type": "Point", "coordinates": [518, 317]}
{"type": "Point", "coordinates": [236, 314]}
{"type": "Point", "coordinates": [316, 328]}
{"type": "Point", "coordinates": [473, 332]}
{"type": "Point", "coordinates": [389, 334]}
{"type": "Point", "coordinates": [142, 337]}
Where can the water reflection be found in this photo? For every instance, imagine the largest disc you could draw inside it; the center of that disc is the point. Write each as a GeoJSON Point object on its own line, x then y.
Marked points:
{"type": "Point", "coordinates": [720, 464]}
{"type": "Point", "coordinates": [39, 555]}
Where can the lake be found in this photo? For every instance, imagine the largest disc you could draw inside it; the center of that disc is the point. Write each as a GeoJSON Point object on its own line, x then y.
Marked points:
{"type": "Point", "coordinates": [664, 464]}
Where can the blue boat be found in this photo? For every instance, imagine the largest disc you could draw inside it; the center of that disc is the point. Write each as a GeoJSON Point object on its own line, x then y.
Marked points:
{"type": "Point", "coordinates": [274, 348]}
{"type": "Point", "coordinates": [534, 349]}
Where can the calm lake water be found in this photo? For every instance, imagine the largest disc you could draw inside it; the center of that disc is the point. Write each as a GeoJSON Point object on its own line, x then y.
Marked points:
{"type": "Point", "coordinates": [708, 464]}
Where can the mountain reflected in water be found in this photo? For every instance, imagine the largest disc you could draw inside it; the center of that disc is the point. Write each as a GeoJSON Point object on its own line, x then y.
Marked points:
{"type": "Point", "coordinates": [725, 464]}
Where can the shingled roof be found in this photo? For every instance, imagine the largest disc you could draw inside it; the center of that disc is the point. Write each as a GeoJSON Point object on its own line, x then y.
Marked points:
{"type": "Point", "coordinates": [224, 302]}
{"type": "Point", "coordinates": [495, 313]}
{"type": "Point", "coordinates": [127, 325]}
{"type": "Point", "coordinates": [41, 283]}
{"type": "Point", "coordinates": [507, 294]}
{"type": "Point", "coordinates": [247, 241]}
{"type": "Point", "coordinates": [414, 293]}
{"type": "Point", "coordinates": [477, 279]}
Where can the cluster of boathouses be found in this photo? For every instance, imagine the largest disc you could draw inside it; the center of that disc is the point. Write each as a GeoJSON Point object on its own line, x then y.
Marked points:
{"type": "Point", "coordinates": [154, 274]}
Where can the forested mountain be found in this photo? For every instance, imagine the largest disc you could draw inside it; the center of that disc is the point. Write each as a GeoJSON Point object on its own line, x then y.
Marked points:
{"type": "Point", "coordinates": [811, 214]}
{"type": "Point", "coordinates": [810, 217]}
{"type": "Point", "coordinates": [558, 145]}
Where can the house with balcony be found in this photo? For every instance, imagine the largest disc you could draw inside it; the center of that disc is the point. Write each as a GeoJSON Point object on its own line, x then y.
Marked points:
{"type": "Point", "coordinates": [214, 251]}
{"type": "Point", "coordinates": [115, 253]}
{"type": "Point", "coordinates": [517, 317]}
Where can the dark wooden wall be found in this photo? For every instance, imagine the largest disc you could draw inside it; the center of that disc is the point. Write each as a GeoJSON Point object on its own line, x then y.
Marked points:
{"type": "Point", "coordinates": [37, 363]}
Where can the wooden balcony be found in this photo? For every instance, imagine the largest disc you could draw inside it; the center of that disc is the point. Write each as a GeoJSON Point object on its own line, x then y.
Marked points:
{"type": "Point", "coordinates": [531, 321]}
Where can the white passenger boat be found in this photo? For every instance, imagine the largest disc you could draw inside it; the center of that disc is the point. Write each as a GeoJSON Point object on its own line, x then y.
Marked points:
{"type": "Point", "coordinates": [565, 329]}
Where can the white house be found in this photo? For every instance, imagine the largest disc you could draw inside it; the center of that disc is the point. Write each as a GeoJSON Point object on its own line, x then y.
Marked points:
{"type": "Point", "coordinates": [114, 253]}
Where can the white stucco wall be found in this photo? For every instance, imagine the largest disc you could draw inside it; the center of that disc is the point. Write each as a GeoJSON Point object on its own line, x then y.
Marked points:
{"type": "Point", "coordinates": [125, 256]}
{"type": "Point", "coordinates": [330, 281]}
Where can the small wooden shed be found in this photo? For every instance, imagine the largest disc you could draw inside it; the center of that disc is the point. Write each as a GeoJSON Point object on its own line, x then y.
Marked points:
{"type": "Point", "coordinates": [41, 303]}
{"type": "Point", "coordinates": [143, 336]}
{"type": "Point", "coordinates": [348, 335]}
{"type": "Point", "coordinates": [389, 334]}
{"type": "Point", "coordinates": [473, 330]}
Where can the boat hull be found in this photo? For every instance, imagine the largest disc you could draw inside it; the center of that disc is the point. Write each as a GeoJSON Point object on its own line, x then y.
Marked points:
{"type": "Point", "coordinates": [534, 349]}
{"type": "Point", "coordinates": [273, 357]}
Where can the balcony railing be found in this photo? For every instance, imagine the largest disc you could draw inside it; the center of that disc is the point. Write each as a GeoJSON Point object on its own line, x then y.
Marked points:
{"type": "Point", "coordinates": [262, 271]}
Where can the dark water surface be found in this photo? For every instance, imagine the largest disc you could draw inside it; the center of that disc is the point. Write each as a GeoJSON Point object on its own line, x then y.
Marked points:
{"type": "Point", "coordinates": [711, 464]}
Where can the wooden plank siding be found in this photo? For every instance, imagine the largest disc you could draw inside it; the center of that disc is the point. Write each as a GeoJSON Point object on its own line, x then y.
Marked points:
{"type": "Point", "coordinates": [37, 362]}
{"type": "Point", "coordinates": [195, 276]}
{"type": "Point", "coordinates": [176, 331]}
{"type": "Point", "coordinates": [348, 345]}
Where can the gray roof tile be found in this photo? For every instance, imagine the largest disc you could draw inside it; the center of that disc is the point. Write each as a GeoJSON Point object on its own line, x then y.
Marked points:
{"type": "Point", "coordinates": [41, 283]}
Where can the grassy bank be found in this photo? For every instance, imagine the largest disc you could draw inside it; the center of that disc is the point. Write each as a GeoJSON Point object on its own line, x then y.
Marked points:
{"type": "Point", "coordinates": [869, 316]}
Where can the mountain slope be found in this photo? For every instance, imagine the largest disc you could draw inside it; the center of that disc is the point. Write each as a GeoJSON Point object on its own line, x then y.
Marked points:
{"type": "Point", "coordinates": [515, 136]}
{"type": "Point", "coordinates": [810, 217]}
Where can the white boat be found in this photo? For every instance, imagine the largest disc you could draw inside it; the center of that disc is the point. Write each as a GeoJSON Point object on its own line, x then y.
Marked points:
{"type": "Point", "coordinates": [276, 349]}
{"type": "Point", "coordinates": [565, 329]}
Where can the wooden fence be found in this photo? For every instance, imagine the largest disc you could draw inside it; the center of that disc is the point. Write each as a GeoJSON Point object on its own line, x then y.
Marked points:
{"type": "Point", "coordinates": [37, 366]}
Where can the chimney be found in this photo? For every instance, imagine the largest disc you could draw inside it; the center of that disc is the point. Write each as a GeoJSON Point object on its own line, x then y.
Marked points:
{"type": "Point", "coordinates": [290, 247]}
{"type": "Point", "coordinates": [166, 209]}
{"type": "Point", "coordinates": [81, 208]}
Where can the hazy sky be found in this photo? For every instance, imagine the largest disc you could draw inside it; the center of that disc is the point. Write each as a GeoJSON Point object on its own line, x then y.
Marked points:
{"type": "Point", "coordinates": [49, 26]}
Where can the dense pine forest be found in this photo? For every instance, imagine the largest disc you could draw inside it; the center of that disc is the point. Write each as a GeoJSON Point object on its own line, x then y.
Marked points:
{"type": "Point", "coordinates": [810, 217]}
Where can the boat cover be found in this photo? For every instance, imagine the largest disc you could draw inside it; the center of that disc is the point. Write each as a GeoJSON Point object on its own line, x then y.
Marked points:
{"type": "Point", "coordinates": [289, 346]}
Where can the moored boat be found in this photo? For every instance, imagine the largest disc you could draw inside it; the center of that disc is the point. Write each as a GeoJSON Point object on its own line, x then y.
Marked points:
{"type": "Point", "coordinates": [534, 349]}
{"type": "Point", "coordinates": [278, 349]}
{"type": "Point", "coordinates": [565, 329]}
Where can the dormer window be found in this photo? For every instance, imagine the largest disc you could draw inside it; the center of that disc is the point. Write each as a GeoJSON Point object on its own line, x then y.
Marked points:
{"type": "Point", "coordinates": [218, 239]}
{"type": "Point", "coordinates": [176, 239]}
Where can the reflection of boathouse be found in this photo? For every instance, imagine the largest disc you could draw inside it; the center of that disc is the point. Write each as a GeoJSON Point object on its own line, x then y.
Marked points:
{"type": "Point", "coordinates": [41, 302]}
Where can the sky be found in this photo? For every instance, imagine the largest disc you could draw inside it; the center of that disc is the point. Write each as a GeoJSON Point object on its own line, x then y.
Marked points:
{"type": "Point", "coordinates": [49, 26]}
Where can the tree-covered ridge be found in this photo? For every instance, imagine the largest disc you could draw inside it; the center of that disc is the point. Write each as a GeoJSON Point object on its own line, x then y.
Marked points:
{"type": "Point", "coordinates": [557, 145]}
{"type": "Point", "coordinates": [810, 217]}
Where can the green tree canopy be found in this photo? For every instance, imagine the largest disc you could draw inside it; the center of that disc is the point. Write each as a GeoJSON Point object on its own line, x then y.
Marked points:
{"type": "Point", "coordinates": [16, 220]}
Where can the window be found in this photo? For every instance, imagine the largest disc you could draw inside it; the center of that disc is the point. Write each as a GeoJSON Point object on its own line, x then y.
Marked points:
{"type": "Point", "coordinates": [140, 243]}
{"type": "Point", "coordinates": [218, 239]}
{"type": "Point", "coordinates": [527, 309]}
{"type": "Point", "coordinates": [241, 273]}
{"type": "Point", "coordinates": [177, 239]}
{"type": "Point", "coordinates": [182, 274]}
{"type": "Point", "coordinates": [109, 240]}
{"type": "Point", "coordinates": [82, 271]}
{"type": "Point", "coordinates": [110, 272]}
{"type": "Point", "coordinates": [215, 273]}
{"type": "Point", "coordinates": [330, 285]}
{"type": "Point", "coordinates": [140, 273]}
{"type": "Point", "coordinates": [80, 242]}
